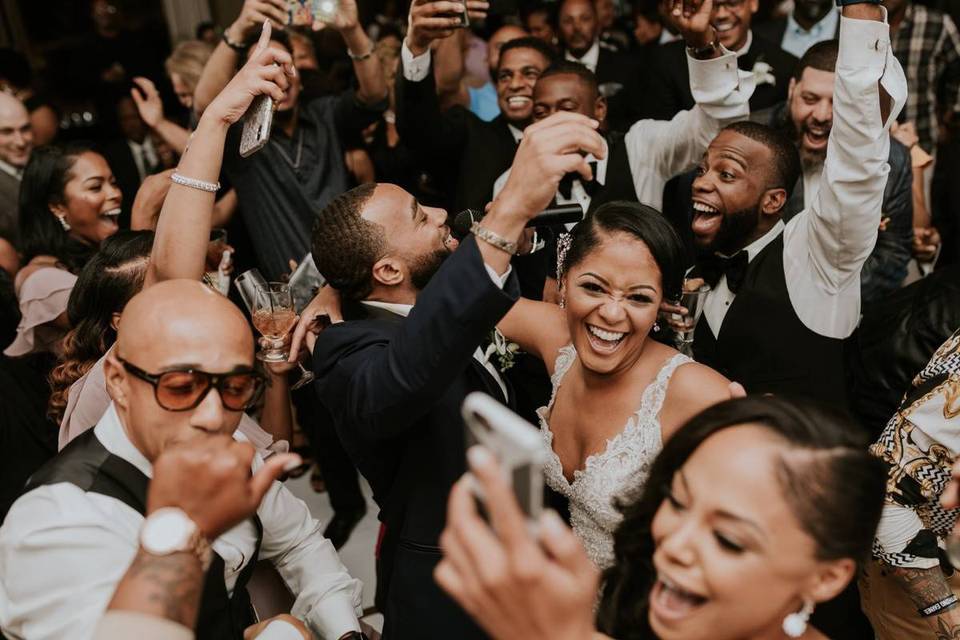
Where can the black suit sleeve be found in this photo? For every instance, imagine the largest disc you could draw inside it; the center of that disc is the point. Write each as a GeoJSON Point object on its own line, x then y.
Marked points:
{"type": "Point", "coordinates": [351, 115]}
{"type": "Point", "coordinates": [388, 386]}
{"type": "Point", "coordinates": [667, 84]}
{"type": "Point", "coordinates": [431, 133]}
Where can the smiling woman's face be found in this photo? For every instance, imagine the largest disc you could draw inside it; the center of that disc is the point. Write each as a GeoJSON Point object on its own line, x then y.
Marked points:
{"type": "Point", "coordinates": [91, 199]}
{"type": "Point", "coordinates": [731, 558]}
{"type": "Point", "coordinates": [612, 297]}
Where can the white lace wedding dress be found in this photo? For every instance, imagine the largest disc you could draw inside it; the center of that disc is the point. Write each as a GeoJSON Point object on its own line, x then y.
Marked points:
{"type": "Point", "coordinates": [608, 474]}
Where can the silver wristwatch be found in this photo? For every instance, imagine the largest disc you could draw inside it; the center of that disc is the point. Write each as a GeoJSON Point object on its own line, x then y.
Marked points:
{"type": "Point", "coordinates": [170, 530]}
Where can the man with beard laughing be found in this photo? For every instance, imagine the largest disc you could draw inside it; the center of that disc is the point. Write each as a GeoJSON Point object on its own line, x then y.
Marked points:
{"type": "Point", "coordinates": [393, 376]}
{"type": "Point", "coordinates": [785, 296]}
{"type": "Point", "coordinates": [807, 117]}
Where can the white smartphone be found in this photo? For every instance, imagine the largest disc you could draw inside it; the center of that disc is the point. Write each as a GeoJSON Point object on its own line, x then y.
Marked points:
{"type": "Point", "coordinates": [516, 444]}
{"type": "Point", "coordinates": [256, 125]}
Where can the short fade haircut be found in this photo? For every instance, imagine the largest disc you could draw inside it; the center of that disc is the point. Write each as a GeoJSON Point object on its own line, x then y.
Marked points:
{"type": "Point", "coordinates": [345, 246]}
{"type": "Point", "coordinates": [821, 56]}
{"type": "Point", "coordinates": [549, 10]}
{"type": "Point", "coordinates": [786, 167]}
{"type": "Point", "coordinates": [528, 42]}
{"type": "Point", "coordinates": [566, 67]}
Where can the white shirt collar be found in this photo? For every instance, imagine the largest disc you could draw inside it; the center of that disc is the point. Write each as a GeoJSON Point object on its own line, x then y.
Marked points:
{"type": "Point", "coordinates": [745, 49]}
{"type": "Point", "coordinates": [113, 436]}
{"type": "Point", "coordinates": [515, 132]}
{"type": "Point", "coordinates": [11, 170]}
{"type": "Point", "coordinates": [666, 36]}
{"type": "Point", "coordinates": [590, 59]}
{"type": "Point", "coordinates": [402, 310]}
{"type": "Point", "coordinates": [826, 26]}
{"type": "Point", "coordinates": [758, 245]}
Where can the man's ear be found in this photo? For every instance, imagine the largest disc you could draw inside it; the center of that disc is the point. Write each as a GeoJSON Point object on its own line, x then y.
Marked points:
{"type": "Point", "coordinates": [388, 272]}
{"type": "Point", "coordinates": [790, 89]}
{"type": "Point", "coordinates": [115, 376]}
{"type": "Point", "coordinates": [115, 321]}
{"type": "Point", "coordinates": [600, 109]}
{"type": "Point", "coordinates": [772, 201]}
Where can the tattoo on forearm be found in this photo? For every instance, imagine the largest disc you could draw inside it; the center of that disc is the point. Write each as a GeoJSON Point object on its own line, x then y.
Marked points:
{"type": "Point", "coordinates": [167, 586]}
{"type": "Point", "coordinates": [924, 586]}
{"type": "Point", "coordinates": [947, 631]}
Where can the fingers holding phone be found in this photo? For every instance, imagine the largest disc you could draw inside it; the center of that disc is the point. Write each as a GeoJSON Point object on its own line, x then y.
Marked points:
{"type": "Point", "coordinates": [431, 20]}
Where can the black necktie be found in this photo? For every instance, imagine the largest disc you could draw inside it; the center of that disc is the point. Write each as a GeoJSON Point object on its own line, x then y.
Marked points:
{"type": "Point", "coordinates": [712, 268]}
{"type": "Point", "coordinates": [565, 188]}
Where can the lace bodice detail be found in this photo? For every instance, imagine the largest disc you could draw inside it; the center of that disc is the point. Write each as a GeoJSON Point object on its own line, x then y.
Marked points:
{"type": "Point", "coordinates": [608, 474]}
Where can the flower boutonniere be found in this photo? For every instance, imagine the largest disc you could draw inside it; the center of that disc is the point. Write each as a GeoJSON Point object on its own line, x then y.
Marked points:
{"type": "Point", "coordinates": [503, 349]}
{"type": "Point", "coordinates": [763, 73]}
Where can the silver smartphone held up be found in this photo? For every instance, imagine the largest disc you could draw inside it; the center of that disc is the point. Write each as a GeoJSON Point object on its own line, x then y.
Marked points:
{"type": "Point", "coordinates": [515, 443]}
{"type": "Point", "coordinates": [256, 125]}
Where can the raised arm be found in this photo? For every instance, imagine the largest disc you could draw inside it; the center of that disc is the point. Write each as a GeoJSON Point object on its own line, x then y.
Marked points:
{"type": "Point", "coordinates": [829, 242]}
{"type": "Point", "coordinates": [225, 59]}
{"type": "Point", "coordinates": [660, 149]}
{"type": "Point", "coordinates": [420, 122]}
{"type": "Point", "coordinates": [389, 385]}
{"type": "Point", "coordinates": [185, 219]}
{"type": "Point", "coordinates": [539, 328]}
{"type": "Point", "coordinates": [150, 106]}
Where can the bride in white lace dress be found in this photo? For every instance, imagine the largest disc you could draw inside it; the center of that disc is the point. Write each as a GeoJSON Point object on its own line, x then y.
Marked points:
{"type": "Point", "coordinates": [617, 395]}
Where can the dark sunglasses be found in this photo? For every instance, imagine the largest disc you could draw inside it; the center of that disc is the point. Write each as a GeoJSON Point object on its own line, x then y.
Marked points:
{"type": "Point", "coordinates": [185, 389]}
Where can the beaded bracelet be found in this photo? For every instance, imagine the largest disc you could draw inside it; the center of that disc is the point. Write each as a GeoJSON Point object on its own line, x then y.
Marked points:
{"type": "Point", "coordinates": [482, 233]}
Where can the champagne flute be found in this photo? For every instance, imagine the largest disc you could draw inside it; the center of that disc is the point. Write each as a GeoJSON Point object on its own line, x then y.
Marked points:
{"type": "Point", "coordinates": [694, 294]}
{"type": "Point", "coordinates": [274, 317]}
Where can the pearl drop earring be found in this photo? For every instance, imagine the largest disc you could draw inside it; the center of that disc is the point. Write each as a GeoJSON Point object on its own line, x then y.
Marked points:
{"type": "Point", "coordinates": [63, 222]}
{"type": "Point", "coordinates": [795, 624]}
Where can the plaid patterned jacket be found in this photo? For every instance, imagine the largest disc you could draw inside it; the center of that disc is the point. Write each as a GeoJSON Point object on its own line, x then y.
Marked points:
{"type": "Point", "coordinates": [927, 44]}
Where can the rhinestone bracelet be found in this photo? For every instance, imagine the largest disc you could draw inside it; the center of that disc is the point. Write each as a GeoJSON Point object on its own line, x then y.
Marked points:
{"type": "Point", "coordinates": [493, 239]}
{"type": "Point", "coordinates": [193, 183]}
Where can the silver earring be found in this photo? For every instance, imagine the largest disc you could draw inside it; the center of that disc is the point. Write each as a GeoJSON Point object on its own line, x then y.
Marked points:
{"type": "Point", "coordinates": [563, 301]}
{"type": "Point", "coordinates": [795, 624]}
{"type": "Point", "coordinates": [656, 327]}
{"type": "Point", "coordinates": [63, 222]}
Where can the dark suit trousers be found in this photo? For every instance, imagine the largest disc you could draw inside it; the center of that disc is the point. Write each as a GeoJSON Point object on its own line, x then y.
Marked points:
{"type": "Point", "coordinates": [339, 474]}
{"type": "Point", "coordinates": [417, 605]}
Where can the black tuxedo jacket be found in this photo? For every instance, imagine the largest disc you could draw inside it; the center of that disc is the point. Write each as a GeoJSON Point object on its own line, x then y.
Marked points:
{"type": "Point", "coordinates": [455, 145]}
{"type": "Point", "coordinates": [619, 76]}
{"type": "Point", "coordinates": [393, 389]}
{"type": "Point", "coordinates": [669, 78]}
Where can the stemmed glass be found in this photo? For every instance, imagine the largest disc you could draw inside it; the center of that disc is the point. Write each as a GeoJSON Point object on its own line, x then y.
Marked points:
{"type": "Point", "coordinates": [271, 307]}
{"type": "Point", "coordinates": [694, 294]}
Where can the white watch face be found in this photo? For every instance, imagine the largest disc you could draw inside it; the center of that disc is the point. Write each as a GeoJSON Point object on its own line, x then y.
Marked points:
{"type": "Point", "coordinates": [167, 531]}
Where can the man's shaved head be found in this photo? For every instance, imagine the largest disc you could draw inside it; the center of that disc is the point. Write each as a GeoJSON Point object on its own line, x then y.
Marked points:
{"type": "Point", "coordinates": [177, 324]}
{"type": "Point", "coordinates": [16, 134]}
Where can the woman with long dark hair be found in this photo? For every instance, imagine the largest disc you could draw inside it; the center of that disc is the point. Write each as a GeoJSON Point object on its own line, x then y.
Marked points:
{"type": "Point", "coordinates": [69, 203]}
{"type": "Point", "coordinates": [757, 510]}
{"type": "Point", "coordinates": [113, 276]}
{"type": "Point", "coordinates": [617, 394]}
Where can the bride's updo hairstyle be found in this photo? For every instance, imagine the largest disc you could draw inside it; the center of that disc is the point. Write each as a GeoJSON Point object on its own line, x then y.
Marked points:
{"type": "Point", "coordinates": [638, 221]}
{"type": "Point", "coordinates": [830, 482]}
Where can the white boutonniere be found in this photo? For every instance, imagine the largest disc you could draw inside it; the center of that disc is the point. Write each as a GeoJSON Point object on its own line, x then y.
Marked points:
{"type": "Point", "coordinates": [763, 74]}
{"type": "Point", "coordinates": [503, 349]}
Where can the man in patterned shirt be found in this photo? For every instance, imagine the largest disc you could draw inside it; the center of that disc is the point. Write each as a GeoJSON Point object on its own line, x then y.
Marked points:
{"type": "Point", "coordinates": [911, 590]}
{"type": "Point", "coordinates": [928, 46]}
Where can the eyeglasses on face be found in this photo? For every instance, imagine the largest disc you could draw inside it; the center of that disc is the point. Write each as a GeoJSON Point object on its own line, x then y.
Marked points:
{"type": "Point", "coordinates": [185, 389]}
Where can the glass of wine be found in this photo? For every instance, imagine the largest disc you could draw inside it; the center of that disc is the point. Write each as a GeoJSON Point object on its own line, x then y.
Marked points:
{"type": "Point", "coordinates": [694, 294]}
{"type": "Point", "coordinates": [274, 317]}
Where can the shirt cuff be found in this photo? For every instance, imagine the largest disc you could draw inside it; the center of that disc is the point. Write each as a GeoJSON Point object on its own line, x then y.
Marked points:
{"type": "Point", "coordinates": [415, 68]}
{"type": "Point", "coordinates": [115, 625]}
{"type": "Point", "coordinates": [865, 44]}
{"type": "Point", "coordinates": [334, 616]}
{"type": "Point", "coordinates": [719, 85]}
{"type": "Point", "coordinates": [498, 280]}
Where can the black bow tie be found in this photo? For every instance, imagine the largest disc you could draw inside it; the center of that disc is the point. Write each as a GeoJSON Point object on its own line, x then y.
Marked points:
{"type": "Point", "coordinates": [565, 188]}
{"type": "Point", "coordinates": [711, 268]}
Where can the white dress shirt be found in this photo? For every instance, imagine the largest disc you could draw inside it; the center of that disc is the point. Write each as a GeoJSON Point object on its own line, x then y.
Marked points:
{"type": "Point", "coordinates": [63, 551]}
{"type": "Point", "coordinates": [590, 59]}
{"type": "Point", "coordinates": [657, 150]}
{"type": "Point", "coordinates": [826, 244]}
{"type": "Point", "coordinates": [796, 39]}
{"type": "Point", "coordinates": [10, 170]}
{"type": "Point", "coordinates": [403, 310]}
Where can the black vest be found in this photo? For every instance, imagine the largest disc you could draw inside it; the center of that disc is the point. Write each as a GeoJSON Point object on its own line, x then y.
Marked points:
{"type": "Point", "coordinates": [87, 464]}
{"type": "Point", "coordinates": [765, 346]}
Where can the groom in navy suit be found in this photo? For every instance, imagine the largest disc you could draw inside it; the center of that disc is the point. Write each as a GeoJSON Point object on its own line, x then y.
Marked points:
{"type": "Point", "coordinates": [393, 376]}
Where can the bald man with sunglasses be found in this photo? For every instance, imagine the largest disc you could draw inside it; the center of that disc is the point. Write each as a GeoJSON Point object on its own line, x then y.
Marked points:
{"type": "Point", "coordinates": [182, 373]}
